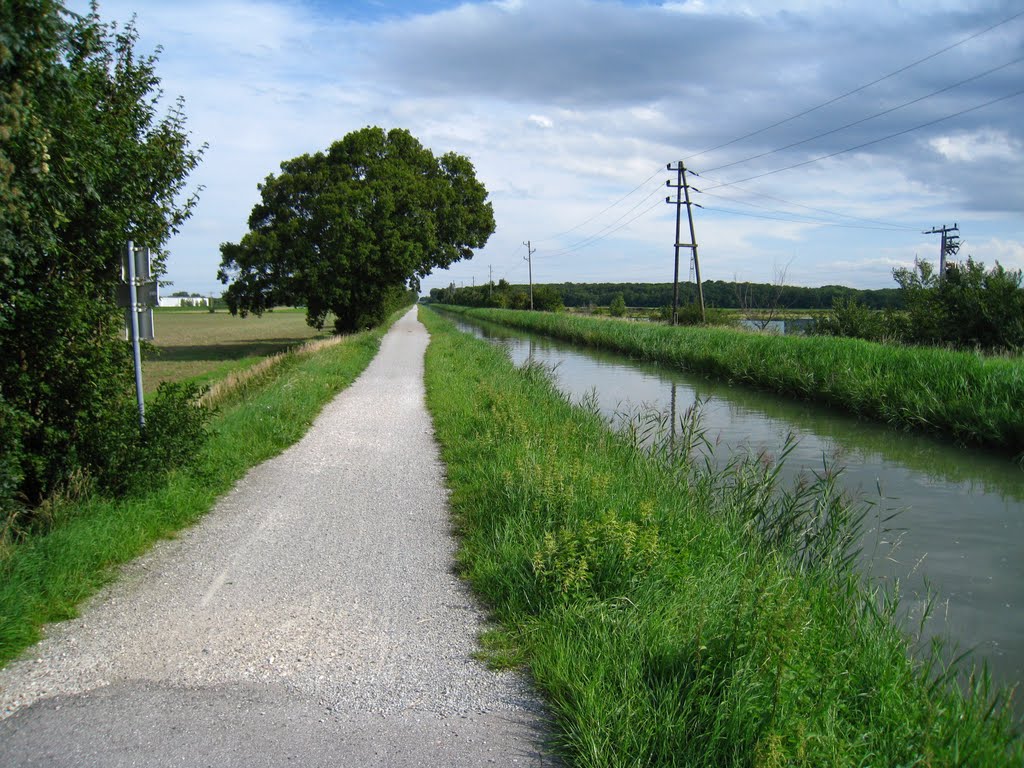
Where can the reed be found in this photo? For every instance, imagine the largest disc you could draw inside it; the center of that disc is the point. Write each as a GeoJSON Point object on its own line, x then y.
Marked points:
{"type": "Point", "coordinates": [972, 398]}
{"type": "Point", "coordinates": [674, 613]}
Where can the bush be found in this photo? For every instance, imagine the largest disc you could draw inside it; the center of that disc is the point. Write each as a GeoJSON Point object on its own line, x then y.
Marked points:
{"type": "Point", "coordinates": [967, 307]}
{"type": "Point", "coordinates": [85, 164]}
{"type": "Point", "coordinates": [618, 306]}
{"type": "Point", "coordinates": [851, 318]}
{"type": "Point", "coordinates": [174, 434]}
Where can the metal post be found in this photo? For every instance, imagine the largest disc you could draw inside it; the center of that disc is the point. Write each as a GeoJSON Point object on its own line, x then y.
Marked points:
{"type": "Point", "coordinates": [693, 243]}
{"type": "Point", "coordinates": [529, 259]}
{"type": "Point", "coordinates": [133, 310]}
{"type": "Point", "coordinates": [679, 212]}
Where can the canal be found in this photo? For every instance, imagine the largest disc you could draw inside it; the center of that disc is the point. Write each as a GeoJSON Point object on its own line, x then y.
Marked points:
{"type": "Point", "coordinates": [958, 528]}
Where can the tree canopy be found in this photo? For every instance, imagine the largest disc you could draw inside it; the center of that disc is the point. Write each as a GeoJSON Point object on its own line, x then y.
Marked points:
{"type": "Point", "coordinates": [347, 230]}
{"type": "Point", "coordinates": [85, 164]}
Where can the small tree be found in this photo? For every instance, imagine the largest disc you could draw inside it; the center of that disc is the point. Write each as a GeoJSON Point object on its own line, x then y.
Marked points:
{"type": "Point", "coordinates": [762, 308]}
{"type": "Point", "coordinates": [618, 306]}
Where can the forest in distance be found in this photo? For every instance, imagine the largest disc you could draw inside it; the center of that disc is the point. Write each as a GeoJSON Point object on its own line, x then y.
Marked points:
{"type": "Point", "coordinates": [717, 293]}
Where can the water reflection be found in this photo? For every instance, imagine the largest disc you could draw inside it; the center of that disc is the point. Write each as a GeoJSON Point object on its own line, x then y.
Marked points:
{"type": "Point", "coordinates": [961, 511]}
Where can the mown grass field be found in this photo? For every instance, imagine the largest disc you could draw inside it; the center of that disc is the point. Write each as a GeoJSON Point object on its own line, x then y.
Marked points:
{"type": "Point", "coordinates": [676, 614]}
{"type": "Point", "coordinates": [202, 346]}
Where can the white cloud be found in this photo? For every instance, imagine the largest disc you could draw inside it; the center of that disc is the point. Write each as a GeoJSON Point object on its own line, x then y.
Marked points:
{"type": "Point", "coordinates": [977, 145]}
{"type": "Point", "coordinates": [267, 80]}
{"type": "Point", "coordinates": [1009, 253]}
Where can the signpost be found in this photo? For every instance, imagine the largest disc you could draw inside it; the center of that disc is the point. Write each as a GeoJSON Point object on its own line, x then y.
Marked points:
{"type": "Point", "coordinates": [138, 296]}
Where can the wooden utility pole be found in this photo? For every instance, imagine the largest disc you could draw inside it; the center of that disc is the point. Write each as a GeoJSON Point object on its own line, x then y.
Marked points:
{"type": "Point", "coordinates": [950, 244]}
{"type": "Point", "coordinates": [682, 189]}
{"type": "Point", "coordinates": [528, 258]}
{"type": "Point", "coordinates": [490, 281]}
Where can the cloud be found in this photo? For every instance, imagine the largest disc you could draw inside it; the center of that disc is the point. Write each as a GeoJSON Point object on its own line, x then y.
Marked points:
{"type": "Point", "coordinates": [570, 109]}
{"type": "Point", "coordinates": [976, 146]}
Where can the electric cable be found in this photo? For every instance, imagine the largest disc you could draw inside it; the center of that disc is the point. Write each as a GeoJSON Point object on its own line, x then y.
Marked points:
{"type": "Point", "coordinates": [871, 117]}
{"type": "Point", "coordinates": [859, 88]}
{"type": "Point", "coordinates": [873, 141]}
{"type": "Point", "coordinates": [601, 212]}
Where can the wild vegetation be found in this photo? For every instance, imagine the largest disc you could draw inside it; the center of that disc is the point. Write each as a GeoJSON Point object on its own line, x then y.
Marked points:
{"type": "Point", "coordinates": [85, 164]}
{"type": "Point", "coordinates": [83, 535]}
{"type": "Point", "coordinates": [968, 308]}
{"type": "Point", "coordinates": [352, 230]}
{"type": "Point", "coordinates": [675, 614]}
{"type": "Point", "coordinates": [970, 397]}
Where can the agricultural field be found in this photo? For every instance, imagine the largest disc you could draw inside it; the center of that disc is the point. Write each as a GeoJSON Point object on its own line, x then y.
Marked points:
{"type": "Point", "coordinates": [204, 346]}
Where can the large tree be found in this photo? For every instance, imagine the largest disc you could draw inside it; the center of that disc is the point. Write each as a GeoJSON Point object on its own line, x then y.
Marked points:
{"type": "Point", "coordinates": [345, 231]}
{"type": "Point", "coordinates": [85, 163]}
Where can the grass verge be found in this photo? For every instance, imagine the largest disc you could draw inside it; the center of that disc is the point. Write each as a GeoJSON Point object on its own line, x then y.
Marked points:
{"type": "Point", "coordinates": [969, 397]}
{"type": "Point", "coordinates": [676, 614]}
{"type": "Point", "coordinates": [45, 578]}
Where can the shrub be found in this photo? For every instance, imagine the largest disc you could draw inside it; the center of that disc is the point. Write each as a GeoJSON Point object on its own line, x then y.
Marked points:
{"type": "Point", "coordinates": [851, 318]}
{"type": "Point", "coordinates": [85, 163]}
{"type": "Point", "coordinates": [967, 307]}
{"type": "Point", "coordinates": [174, 435]}
{"type": "Point", "coordinates": [618, 306]}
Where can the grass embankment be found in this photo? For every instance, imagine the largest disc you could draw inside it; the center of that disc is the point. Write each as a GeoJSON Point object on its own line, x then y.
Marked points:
{"type": "Point", "coordinates": [969, 397]}
{"type": "Point", "coordinates": [203, 346]}
{"type": "Point", "coordinates": [677, 615]}
{"type": "Point", "coordinates": [43, 579]}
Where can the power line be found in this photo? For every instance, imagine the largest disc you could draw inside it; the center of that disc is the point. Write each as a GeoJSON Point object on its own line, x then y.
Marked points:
{"type": "Point", "coordinates": [815, 222]}
{"type": "Point", "coordinates": [874, 141]}
{"type": "Point", "coordinates": [860, 88]}
{"type": "Point", "coordinates": [871, 117]}
{"type": "Point", "coordinates": [602, 212]}
{"type": "Point", "coordinates": [597, 236]}
{"type": "Point", "coordinates": [596, 239]}
{"type": "Point", "coordinates": [882, 224]}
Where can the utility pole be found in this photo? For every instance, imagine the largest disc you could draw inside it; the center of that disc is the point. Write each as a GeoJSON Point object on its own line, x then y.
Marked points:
{"type": "Point", "coordinates": [529, 260]}
{"type": "Point", "coordinates": [490, 281]}
{"type": "Point", "coordinates": [682, 189]}
{"type": "Point", "coordinates": [950, 244]}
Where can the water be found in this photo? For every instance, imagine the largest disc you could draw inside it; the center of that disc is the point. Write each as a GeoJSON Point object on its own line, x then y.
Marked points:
{"type": "Point", "coordinates": [960, 524]}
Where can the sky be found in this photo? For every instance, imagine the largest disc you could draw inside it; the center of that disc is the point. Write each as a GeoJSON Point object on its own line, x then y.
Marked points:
{"type": "Point", "coordinates": [827, 136]}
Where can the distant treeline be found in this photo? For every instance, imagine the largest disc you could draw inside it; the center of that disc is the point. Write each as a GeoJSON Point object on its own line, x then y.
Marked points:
{"type": "Point", "coordinates": [717, 293]}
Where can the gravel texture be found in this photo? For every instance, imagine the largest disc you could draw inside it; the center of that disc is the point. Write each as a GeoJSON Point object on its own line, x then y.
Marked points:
{"type": "Point", "coordinates": [313, 617]}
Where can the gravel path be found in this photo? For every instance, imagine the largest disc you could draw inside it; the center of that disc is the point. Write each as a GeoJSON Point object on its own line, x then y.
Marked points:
{"type": "Point", "coordinates": [311, 618]}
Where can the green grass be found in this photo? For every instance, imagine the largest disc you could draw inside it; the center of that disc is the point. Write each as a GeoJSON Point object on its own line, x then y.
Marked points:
{"type": "Point", "coordinates": [45, 578]}
{"type": "Point", "coordinates": [972, 398]}
{"type": "Point", "coordinates": [676, 615]}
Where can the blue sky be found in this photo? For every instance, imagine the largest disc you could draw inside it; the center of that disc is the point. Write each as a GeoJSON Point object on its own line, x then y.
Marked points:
{"type": "Point", "coordinates": [570, 110]}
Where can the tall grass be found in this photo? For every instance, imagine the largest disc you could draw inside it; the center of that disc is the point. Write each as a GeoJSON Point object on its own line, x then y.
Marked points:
{"type": "Point", "coordinates": [972, 398]}
{"type": "Point", "coordinates": [675, 614]}
{"type": "Point", "coordinates": [45, 578]}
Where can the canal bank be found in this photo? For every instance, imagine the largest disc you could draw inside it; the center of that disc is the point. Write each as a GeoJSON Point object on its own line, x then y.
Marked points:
{"type": "Point", "coordinates": [945, 522]}
{"type": "Point", "coordinates": [671, 614]}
